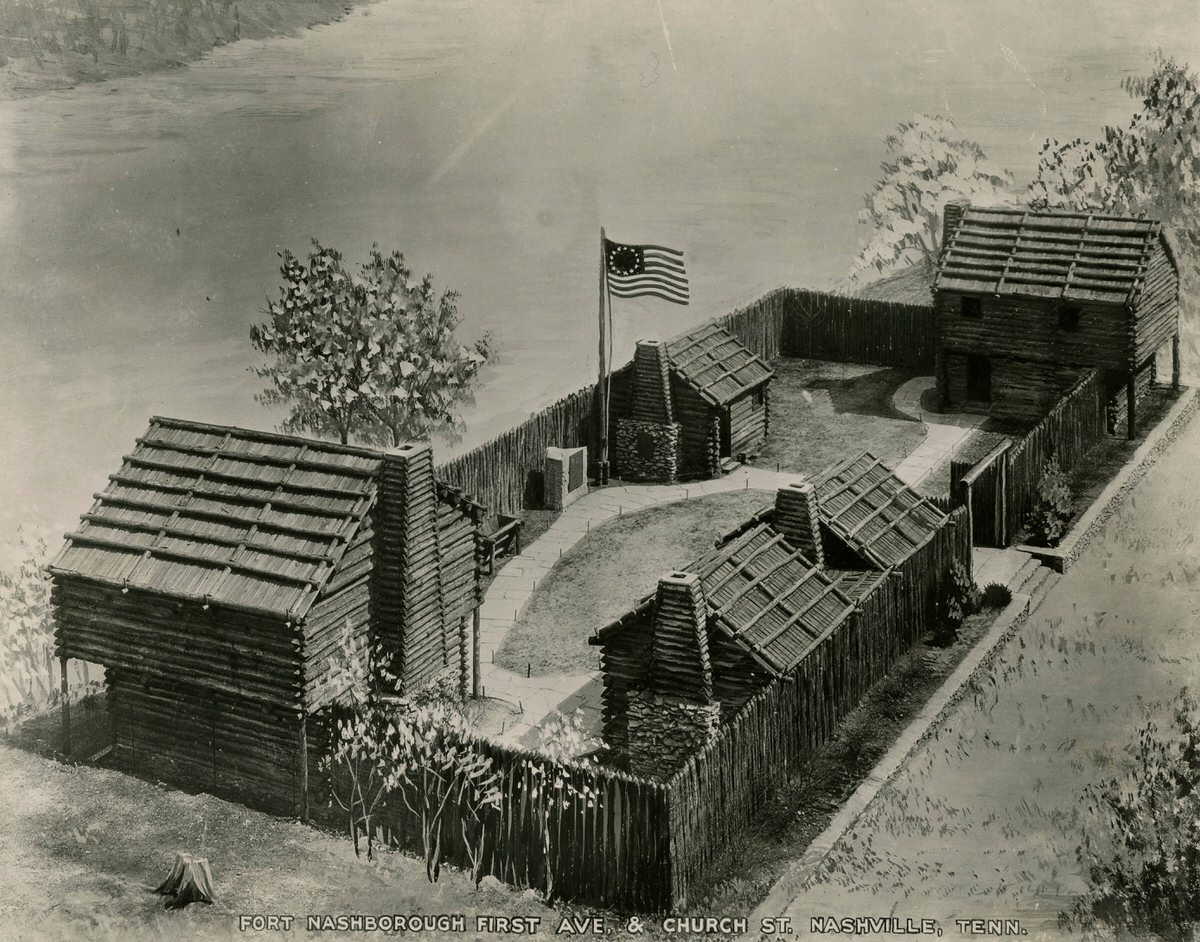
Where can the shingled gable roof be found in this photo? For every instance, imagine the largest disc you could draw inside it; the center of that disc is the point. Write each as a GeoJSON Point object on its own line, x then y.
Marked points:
{"type": "Point", "coordinates": [765, 596]}
{"type": "Point", "coordinates": [873, 512]}
{"type": "Point", "coordinates": [253, 520]}
{"type": "Point", "coordinates": [716, 364]}
{"type": "Point", "coordinates": [1049, 254]}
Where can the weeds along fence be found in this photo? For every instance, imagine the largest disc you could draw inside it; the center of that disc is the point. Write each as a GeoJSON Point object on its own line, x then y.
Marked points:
{"type": "Point", "coordinates": [575, 832]}
{"type": "Point", "coordinates": [1068, 432]}
{"type": "Point", "coordinates": [719, 791]}
{"type": "Point", "coordinates": [505, 474]}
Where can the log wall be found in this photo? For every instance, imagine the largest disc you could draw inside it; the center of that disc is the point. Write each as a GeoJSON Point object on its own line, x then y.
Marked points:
{"type": "Point", "coordinates": [1157, 319]}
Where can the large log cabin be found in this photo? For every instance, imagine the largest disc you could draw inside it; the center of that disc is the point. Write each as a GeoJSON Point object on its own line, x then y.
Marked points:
{"type": "Point", "coordinates": [219, 572]}
{"type": "Point", "coordinates": [1026, 301]}
{"type": "Point", "coordinates": [697, 405]}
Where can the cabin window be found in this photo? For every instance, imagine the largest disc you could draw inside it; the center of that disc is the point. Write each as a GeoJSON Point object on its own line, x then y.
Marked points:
{"type": "Point", "coordinates": [759, 397]}
{"type": "Point", "coordinates": [1068, 317]}
{"type": "Point", "coordinates": [972, 307]}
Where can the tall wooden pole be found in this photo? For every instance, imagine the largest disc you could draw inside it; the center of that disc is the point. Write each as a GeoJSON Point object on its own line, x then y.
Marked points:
{"type": "Point", "coordinates": [1176, 365]}
{"type": "Point", "coordinates": [475, 652]}
{"type": "Point", "coordinates": [602, 379]}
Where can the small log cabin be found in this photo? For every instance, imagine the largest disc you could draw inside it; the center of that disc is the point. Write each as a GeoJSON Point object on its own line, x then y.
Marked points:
{"type": "Point", "coordinates": [846, 545]}
{"type": "Point", "coordinates": [1026, 301]}
{"type": "Point", "coordinates": [697, 405]}
{"type": "Point", "coordinates": [219, 572]}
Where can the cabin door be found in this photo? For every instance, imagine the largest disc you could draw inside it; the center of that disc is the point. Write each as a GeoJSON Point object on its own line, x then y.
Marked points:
{"type": "Point", "coordinates": [726, 434]}
{"type": "Point", "coordinates": [979, 378]}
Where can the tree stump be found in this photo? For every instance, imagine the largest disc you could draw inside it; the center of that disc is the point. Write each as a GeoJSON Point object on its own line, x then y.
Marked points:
{"type": "Point", "coordinates": [190, 881]}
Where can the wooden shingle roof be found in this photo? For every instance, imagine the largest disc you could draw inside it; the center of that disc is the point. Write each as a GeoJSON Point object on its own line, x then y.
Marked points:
{"type": "Point", "coordinates": [248, 519]}
{"type": "Point", "coordinates": [716, 364]}
{"type": "Point", "coordinates": [873, 512]}
{"type": "Point", "coordinates": [765, 596]}
{"type": "Point", "coordinates": [1049, 254]}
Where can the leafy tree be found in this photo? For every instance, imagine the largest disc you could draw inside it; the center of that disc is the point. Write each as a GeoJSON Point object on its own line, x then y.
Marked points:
{"type": "Point", "coordinates": [371, 356]}
{"type": "Point", "coordinates": [930, 163]}
{"type": "Point", "coordinates": [1052, 510]}
{"type": "Point", "coordinates": [27, 629]}
{"type": "Point", "coordinates": [1140, 853]}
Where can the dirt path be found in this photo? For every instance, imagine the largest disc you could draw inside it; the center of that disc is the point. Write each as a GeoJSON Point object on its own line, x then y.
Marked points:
{"type": "Point", "coordinates": [982, 820]}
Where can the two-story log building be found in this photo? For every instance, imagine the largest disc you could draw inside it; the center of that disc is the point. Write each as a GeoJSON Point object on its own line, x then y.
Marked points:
{"type": "Point", "coordinates": [1026, 301]}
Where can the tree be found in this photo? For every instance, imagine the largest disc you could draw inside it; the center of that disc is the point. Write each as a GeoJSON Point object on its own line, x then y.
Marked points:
{"type": "Point", "coordinates": [372, 357]}
{"type": "Point", "coordinates": [930, 164]}
{"type": "Point", "coordinates": [1140, 853]}
{"type": "Point", "coordinates": [26, 630]}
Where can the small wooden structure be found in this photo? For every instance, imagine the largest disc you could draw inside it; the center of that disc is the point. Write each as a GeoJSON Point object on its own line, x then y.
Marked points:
{"type": "Point", "coordinates": [1026, 301]}
{"type": "Point", "coordinates": [217, 574]}
{"type": "Point", "coordinates": [846, 545]}
{"type": "Point", "coordinates": [698, 404]}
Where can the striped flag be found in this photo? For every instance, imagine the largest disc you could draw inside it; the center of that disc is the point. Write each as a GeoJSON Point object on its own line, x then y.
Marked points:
{"type": "Point", "coordinates": [635, 271]}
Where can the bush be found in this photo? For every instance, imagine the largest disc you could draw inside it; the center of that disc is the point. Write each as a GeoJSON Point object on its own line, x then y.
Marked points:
{"type": "Point", "coordinates": [958, 597]}
{"type": "Point", "coordinates": [996, 595]}
{"type": "Point", "coordinates": [1140, 854]}
{"type": "Point", "coordinates": [1048, 519]}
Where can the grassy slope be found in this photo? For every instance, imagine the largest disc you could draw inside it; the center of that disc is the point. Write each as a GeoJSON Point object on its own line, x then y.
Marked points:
{"type": "Point", "coordinates": [608, 570]}
{"type": "Point", "coordinates": [822, 412]}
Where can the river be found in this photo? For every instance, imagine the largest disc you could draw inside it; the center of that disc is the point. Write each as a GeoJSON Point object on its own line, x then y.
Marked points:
{"type": "Point", "coordinates": [489, 141]}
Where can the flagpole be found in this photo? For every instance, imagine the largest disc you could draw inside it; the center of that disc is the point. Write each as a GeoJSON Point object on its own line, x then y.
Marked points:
{"type": "Point", "coordinates": [602, 380]}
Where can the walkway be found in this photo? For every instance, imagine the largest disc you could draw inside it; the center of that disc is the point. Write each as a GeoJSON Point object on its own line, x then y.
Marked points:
{"type": "Point", "coordinates": [533, 698]}
{"type": "Point", "coordinates": [945, 432]}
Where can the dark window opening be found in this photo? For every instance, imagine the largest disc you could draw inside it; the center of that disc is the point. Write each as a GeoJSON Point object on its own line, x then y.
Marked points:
{"type": "Point", "coordinates": [759, 397]}
{"type": "Point", "coordinates": [972, 307]}
{"type": "Point", "coordinates": [979, 378]}
{"type": "Point", "coordinates": [1068, 317]}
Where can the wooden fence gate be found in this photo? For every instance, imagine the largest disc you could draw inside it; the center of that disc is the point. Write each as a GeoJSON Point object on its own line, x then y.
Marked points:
{"type": "Point", "coordinates": [983, 488]}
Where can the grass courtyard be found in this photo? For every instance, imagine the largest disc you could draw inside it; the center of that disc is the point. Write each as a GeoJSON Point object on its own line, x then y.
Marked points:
{"type": "Point", "coordinates": [613, 566]}
{"type": "Point", "coordinates": [821, 412]}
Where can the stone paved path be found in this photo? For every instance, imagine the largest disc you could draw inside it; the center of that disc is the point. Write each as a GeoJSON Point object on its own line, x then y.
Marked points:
{"type": "Point", "coordinates": [944, 432]}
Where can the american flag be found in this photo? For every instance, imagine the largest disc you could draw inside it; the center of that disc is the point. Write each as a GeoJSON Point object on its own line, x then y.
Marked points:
{"type": "Point", "coordinates": [635, 271]}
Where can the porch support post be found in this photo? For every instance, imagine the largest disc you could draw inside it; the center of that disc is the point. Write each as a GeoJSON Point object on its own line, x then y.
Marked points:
{"type": "Point", "coordinates": [64, 687]}
{"type": "Point", "coordinates": [475, 653]}
{"type": "Point", "coordinates": [1175, 361]}
{"type": "Point", "coordinates": [1131, 406]}
{"type": "Point", "coordinates": [304, 765]}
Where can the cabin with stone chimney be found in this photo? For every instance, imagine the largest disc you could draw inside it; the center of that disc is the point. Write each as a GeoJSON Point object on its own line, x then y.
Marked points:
{"type": "Point", "coordinates": [853, 551]}
{"type": "Point", "coordinates": [698, 405]}
{"type": "Point", "coordinates": [219, 572]}
{"type": "Point", "coordinates": [1026, 301]}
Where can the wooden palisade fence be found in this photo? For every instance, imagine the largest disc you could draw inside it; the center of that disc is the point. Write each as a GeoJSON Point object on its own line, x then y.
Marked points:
{"type": "Point", "coordinates": [607, 838]}
{"type": "Point", "coordinates": [504, 474]}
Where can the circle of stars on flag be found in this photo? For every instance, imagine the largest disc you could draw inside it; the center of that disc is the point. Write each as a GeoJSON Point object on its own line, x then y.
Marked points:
{"type": "Point", "coordinates": [624, 259]}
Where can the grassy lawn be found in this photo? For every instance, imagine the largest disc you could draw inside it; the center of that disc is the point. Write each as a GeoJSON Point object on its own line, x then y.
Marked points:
{"type": "Point", "coordinates": [83, 847]}
{"type": "Point", "coordinates": [822, 412]}
{"type": "Point", "coordinates": [616, 564]}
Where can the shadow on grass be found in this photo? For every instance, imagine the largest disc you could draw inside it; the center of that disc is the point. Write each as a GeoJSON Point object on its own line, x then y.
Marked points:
{"type": "Point", "coordinates": [868, 393]}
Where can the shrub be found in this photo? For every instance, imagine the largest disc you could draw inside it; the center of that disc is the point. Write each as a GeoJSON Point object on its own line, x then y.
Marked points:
{"type": "Point", "coordinates": [1140, 854]}
{"type": "Point", "coordinates": [958, 597]}
{"type": "Point", "coordinates": [996, 595]}
{"type": "Point", "coordinates": [1048, 519]}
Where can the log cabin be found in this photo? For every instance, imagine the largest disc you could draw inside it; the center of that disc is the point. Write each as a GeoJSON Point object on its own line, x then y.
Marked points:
{"type": "Point", "coordinates": [221, 570]}
{"type": "Point", "coordinates": [854, 544]}
{"type": "Point", "coordinates": [1026, 301]}
{"type": "Point", "coordinates": [697, 405]}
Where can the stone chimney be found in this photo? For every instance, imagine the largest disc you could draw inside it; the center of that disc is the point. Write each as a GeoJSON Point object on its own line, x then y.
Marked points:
{"type": "Point", "coordinates": [649, 440]}
{"type": "Point", "coordinates": [651, 383]}
{"type": "Point", "coordinates": [406, 593]}
{"type": "Point", "coordinates": [675, 715]}
{"type": "Point", "coordinates": [952, 215]}
{"type": "Point", "coordinates": [797, 518]}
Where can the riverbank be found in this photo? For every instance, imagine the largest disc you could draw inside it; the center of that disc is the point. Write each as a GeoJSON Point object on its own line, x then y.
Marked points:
{"type": "Point", "coordinates": [46, 45]}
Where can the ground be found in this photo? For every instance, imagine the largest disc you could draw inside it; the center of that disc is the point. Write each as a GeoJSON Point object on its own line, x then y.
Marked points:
{"type": "Point", "coordinates": [984, 818]}
{"type": "Point", "coordinates": [822, 412]}
{"type": "Point", "coordinates": [83, 848]}
{"type": "Point", "coordinates": [608, 570]}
